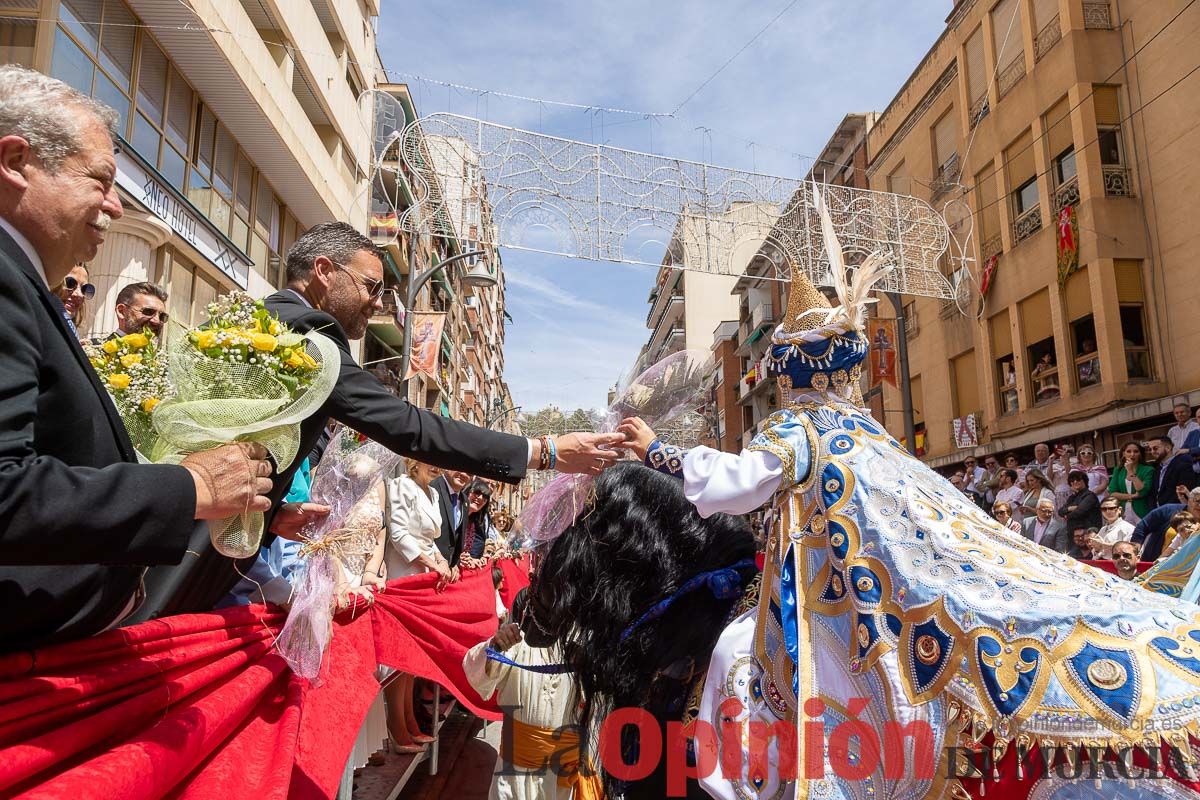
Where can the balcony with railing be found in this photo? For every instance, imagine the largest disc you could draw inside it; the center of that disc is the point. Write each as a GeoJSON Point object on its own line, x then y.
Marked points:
{"type": "Point", "coordinates": [991, 246]}
{"type": "Point", "coordinates": [1117, 181]}
{"type": "Point", "coordinates": [1047, 37]}
{"type": "Point", "coordinates": [1066, 194]}
{"type": "Point", "coordinates": [979, 110]}
{"type": "Point", "coordinates": [946, 177]}
{"type": "Point", "coordinates": [1097, 15]}
{"type": "Point", "coordinates": [1027, 224]}
{"type": "Point", "coordinates": [1011, 76]}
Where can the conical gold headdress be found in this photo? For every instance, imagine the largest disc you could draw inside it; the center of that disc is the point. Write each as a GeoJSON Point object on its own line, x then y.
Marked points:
{"type": "Point", "coordinates": [803, 296]}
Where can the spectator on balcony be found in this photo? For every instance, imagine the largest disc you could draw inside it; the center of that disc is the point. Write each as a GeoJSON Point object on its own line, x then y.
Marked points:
{"type": "Point", "coordinates": [1044, 529]}
{"type": "Point", "coordinates": [1150, 533]}
{"type": "Point", "coordinates": [1097, 473]}
{"type": "Point", "coordinates": [974, 480]}
{"type": "Point", "coordinates": [1184, 425]}
{"type": "Point", "coordinates": [1174, 471]}
{"type": "Point", "coordinates": [1125, 560]}
{"type": "Point", "coordinates": [1081, 509]}
{"type": "Point", "coordinates": [1081, 544]}
{"type": "Point", "coordinates": [991, 480]}
{"type": "Point", "coordinates": [1011, 461]}
{"type": "Point", "coordinates": [1132, 483]}
{"type": "Point", "coordinates": [1045, 378]}
{"type": "Point", "coordinates": [1037, 489]}
{"type": "Point", "coordinates": [1052, 465]}
{"type": "Point", "coordinates": [1010, 493]}
{"type": "Point", "coordinates": [1002, 513]}
{"type": "Point", "coordinates": [1114, 530]}
{"type": "Point", "coordinates": [1089, 368]}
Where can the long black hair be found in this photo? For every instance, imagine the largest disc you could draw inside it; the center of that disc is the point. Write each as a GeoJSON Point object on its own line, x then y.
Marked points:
{"type": "Point", "coordinates": [479, 520]}
{"type": "Point", "coordinates": [633, 548]}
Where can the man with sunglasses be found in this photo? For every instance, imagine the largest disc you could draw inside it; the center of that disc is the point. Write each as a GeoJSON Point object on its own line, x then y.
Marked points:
{"type": "Point", "coordinates": [335, 285]}
{"type": "Point", "coordinates": [141, 307]}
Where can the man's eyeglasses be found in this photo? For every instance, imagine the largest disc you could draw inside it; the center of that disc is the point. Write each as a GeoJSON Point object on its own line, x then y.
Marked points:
{"type": "Point", "coordinates": [1110, 508]}
{"type": "Point", "coordinates": [71, 284]}
{"type": "Point", "coordinates": [999, 511]}
{"type": "Point", "coordinates": [374, 287]}
{"type": "Point", "coordinates": [152, 313]}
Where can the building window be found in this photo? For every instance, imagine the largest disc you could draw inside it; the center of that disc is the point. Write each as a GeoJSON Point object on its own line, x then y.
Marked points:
{"type": "Point", "coordinates": [1132, 312]}
{"type": "Point", "coordinates": [1077, 300]}
{"type": "Point", "coordinates": [721, 425]}
{"type": "Point", "coordinates": [1006, 370]}
{"type": "Point", "coordinates": [17, 37]}
{"type": "Point", "coordinates": [1026, 196]}
{"type": "Point", "coordinates": [1064, 166]}
{"type": "Point", "coordinates": [1108, 138]}
{"type": "Point", "coordinates": [1040, 358]}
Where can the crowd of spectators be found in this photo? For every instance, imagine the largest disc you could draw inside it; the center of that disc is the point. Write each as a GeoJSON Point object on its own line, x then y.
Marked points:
{"type": "Point", "coordinates": [1070, 502]}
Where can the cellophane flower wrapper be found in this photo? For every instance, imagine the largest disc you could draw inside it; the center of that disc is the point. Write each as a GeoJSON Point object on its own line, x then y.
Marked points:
{"type": "Point", "coordinates": [350, 467]}
{"type": "Point", "coordinates": [665, 394]}
{"type": "Point", "coordinates": [220, 397]}
{"type": "Point", "coordinates": [133, 368]}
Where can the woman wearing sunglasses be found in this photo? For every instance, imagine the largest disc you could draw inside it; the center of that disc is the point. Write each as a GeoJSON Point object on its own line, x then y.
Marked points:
{"type": "Point", "coordinates": [75, 292]}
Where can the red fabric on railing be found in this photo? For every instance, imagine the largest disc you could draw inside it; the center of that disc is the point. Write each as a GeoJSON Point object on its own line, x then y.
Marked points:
{"type": "Point", "coordinates": [516, 578]}
{"type": "Point", "coordinates": [201, 706]}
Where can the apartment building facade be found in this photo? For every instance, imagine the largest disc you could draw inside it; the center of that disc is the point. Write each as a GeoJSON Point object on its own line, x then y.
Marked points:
{"type": "Point", "coordinates": [1037, 126]}
{"type": "Point", "coordinates": [239, 123]}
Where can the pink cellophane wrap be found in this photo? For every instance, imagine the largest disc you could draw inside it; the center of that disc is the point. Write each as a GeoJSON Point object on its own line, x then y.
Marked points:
{"type": "Point", "coordinates": [667, 393]}
{"type": "Point", "coordinates": [350, 467]}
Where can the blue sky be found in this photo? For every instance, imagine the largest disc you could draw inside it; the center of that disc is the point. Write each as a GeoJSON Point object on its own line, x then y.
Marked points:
{"type": "Point", "coordinates": [578, 324]}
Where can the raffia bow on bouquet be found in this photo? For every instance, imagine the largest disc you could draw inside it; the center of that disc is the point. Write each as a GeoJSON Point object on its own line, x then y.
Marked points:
{"type": "Point", "coordinates": [666, 396]}
{"type": "Point", "coordinates": [350, 468]}
{"type": "Point", "coordinates": [242, 377]}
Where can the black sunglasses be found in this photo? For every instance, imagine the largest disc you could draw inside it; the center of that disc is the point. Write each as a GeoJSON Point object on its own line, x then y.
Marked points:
{"type": "Point", "coordinates": [151, 313]}
{"type": "Point", "coordinates": [71, 284]}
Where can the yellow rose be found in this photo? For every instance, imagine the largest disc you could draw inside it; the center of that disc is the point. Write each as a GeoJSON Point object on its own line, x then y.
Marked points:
{"type": "Point", "coordinates": [295, 360]}
{"type": "Point", "coordinates": [136, 340]}
{"type": "Point", "coordinates": [309, 361]}
{"type": "Point", "coordinates": [119, 380]}
{"type": "Point", "coordinates": [205, 339]}
{"type": "Point", "coordinates": [111, 346]}
{"type": "Point", "coordinates": [263, 341]}
{"type": "Point", "coordinates": [274, 328]}
{"type": "Point", "coordinates": [149, 403]}
{"type": "Point", "coordinates": [131, 359]}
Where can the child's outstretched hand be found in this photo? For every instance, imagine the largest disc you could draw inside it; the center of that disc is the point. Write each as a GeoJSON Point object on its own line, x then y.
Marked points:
{"type": "Point", "coordinates": [638, 435]}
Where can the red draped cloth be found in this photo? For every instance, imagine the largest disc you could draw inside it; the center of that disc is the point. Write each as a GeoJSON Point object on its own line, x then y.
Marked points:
{"type": "Point", "coordinates": [201, 706]}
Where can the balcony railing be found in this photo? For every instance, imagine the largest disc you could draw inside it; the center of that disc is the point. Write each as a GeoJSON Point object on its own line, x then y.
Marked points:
{"type": "Point", "coordinates": [1067, 194]}
{"type": "Point", "coordinates": [947, 176]}
{"type": "Point", "coordinates": [1027, 224]}
{"type": "Point", "coordinates": [1011, 76]}
{"type": "Point", "coordinates": [991, 246]}
{"type": "Point", "coordinates": [1048, 36]}
{"type": "Point", "coordinates": [1117, 182]}
{"type": "Point", "coordinates": [1097, 15]}
{"type": "Point", "coordinates": [979, 110]}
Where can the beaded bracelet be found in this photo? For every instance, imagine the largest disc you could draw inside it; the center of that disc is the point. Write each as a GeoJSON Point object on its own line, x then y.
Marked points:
{"type": "Point", "coordinates": [544, 457]}
{"type": "Point", "coordinates": [553, 452]}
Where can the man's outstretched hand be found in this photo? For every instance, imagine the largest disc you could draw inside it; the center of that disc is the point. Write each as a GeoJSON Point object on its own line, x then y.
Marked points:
{"type": "Point", "coordinates": [588, 453]}
{"type": "Point", "coordinates": [292, 518]}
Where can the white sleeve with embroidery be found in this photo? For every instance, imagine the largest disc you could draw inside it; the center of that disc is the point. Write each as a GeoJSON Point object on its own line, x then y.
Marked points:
{"type": "Point", "coordinates": [729, 483]}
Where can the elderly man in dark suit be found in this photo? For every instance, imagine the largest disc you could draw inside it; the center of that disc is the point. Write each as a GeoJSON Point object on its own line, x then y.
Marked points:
{"type": "Point", "coordinates": [449, 487]}
{"type": "Point", "coordinates": [1045, 529]}
{"type": "Point", "coordinates": [80, 518]}
{"type": "Point", "coordinates": [335, 285]}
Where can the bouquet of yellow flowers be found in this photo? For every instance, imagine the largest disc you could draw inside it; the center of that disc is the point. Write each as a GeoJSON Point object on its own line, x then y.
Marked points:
{"type": "Point", "coordinates": [134, 370]}
{"type": "Point", "coordinates": [244, 376]}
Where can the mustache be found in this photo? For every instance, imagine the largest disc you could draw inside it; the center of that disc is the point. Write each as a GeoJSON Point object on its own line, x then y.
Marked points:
{"type": "Point", "coordinates": [103, 221]}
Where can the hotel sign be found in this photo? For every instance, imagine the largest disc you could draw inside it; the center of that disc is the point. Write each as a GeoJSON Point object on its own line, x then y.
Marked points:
{"type": "Point", "coordinates": [149, 189]}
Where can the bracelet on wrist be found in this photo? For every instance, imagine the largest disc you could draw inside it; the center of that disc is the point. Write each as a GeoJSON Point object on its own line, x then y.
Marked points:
{"type": "Point", "coordinates": [553, 459]}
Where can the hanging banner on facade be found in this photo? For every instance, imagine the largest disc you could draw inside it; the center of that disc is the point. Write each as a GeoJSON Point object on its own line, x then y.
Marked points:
{"type": "Point", "coordinates": [966, 432]}
{"type": "Point", "coordinates": [882, 335]}
{"type": "Point", "coordinates": [989, 275]}
{"type": "Point", "coordinates": [427, 336]}
{"type": "Point", "coordinates": [1068, 244]}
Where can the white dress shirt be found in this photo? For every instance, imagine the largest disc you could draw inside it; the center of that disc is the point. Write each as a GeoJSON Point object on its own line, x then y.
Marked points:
{"type": "Point", "coordinates": [1178, 433]}
{"type": "Point", "coordinates": [1109, 535]}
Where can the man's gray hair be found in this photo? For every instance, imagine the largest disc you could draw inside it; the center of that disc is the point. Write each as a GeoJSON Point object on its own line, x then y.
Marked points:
{"type": "Point", "coordinates": [337, 241]}
{"type": "Point", "coordinates": [44, 111]}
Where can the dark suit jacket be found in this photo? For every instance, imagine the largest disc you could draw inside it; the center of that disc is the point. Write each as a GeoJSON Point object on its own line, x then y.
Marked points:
{"type": "Point", "coordinates": [1057, 538]}
{"type": "Point", "coordinates": [1177, 471]}
{"type": "Point", "coordinates": [79, 517]}
{"type": "Point", "coordinates": [450, 543]}
{"type": "Point", "coordinates": [362, 402]}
